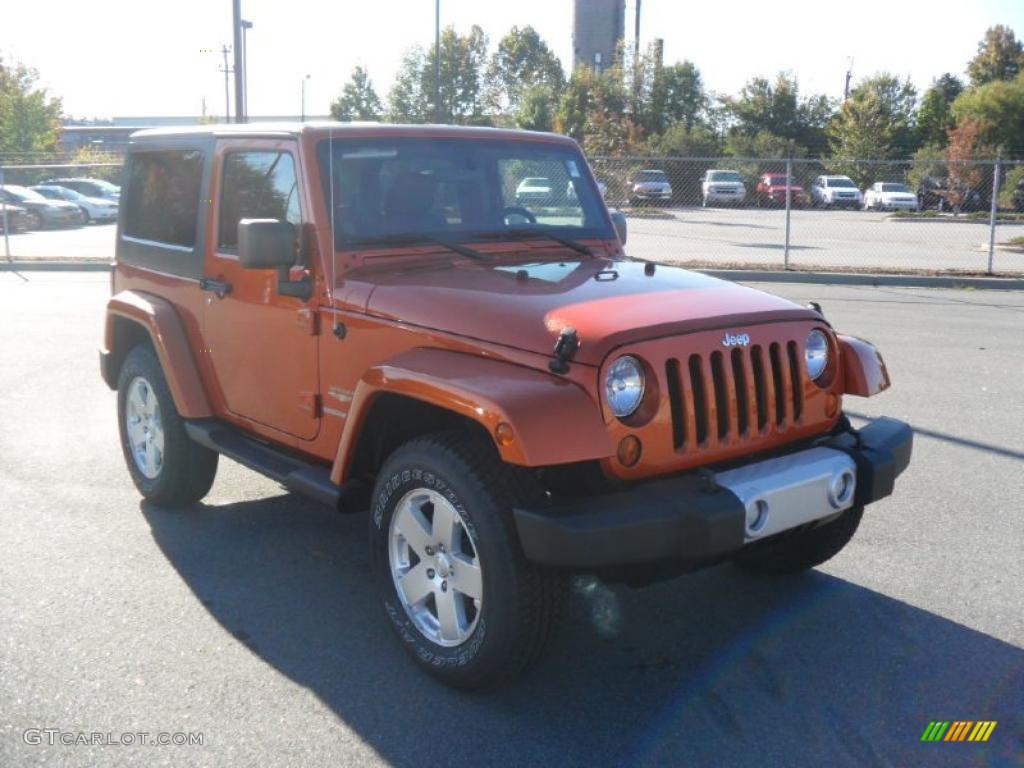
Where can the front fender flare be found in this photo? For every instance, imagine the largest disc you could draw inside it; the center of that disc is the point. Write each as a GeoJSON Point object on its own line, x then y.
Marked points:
{"type": "Point", "coordinates": [864, 369]}
{"type": "Point", "coordinates": [554, 420]}
{"type": "Point", "coordinates": [159, 318]}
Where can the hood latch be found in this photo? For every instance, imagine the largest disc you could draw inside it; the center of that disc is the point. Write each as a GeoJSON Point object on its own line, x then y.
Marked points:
{"type": "Point", "coordinates": [565, 349]}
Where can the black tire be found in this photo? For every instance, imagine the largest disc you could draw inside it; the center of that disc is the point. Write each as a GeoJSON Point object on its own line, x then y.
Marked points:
{"type": "Point", "coordinates": [802, 550]}
{"type": "Point", "coordinates": [35, 220]}
{"type": "Point", "coordinates": [521, 603]}
{"type": "Point", "coordinates": [187, 469]}
{"type": "Point", "coordinates": [85, 216]}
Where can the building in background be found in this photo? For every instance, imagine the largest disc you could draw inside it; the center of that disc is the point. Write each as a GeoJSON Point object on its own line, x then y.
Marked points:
{"type": "Point", "coordinates": [598, 26]}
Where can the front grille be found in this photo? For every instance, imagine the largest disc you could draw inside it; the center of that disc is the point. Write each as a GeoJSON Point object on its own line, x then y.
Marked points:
{"type": "Point", "coordinates": [735, 395]}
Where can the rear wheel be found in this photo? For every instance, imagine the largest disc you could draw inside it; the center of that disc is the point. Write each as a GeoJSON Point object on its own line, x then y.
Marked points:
{"type": "Point", "coordinates": [463, 600]}
{"type": "Point", "coordinates": [166, 465]}
{"type": "Point", "coordinates": [35, 220]}
{"type": "Point", "coordinates": [801, 550]}
{"type": "Point", "coordinates": [85, 215]}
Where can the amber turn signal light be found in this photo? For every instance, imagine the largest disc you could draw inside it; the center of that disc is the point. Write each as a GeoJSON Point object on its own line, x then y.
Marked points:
{"type": "Point", "coordinates": [504, 435]}
{"type": "Point", "coordinates": [629, 451]}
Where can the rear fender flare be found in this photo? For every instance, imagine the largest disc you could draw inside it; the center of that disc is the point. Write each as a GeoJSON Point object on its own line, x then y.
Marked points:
{"type": "Point", "coordinates": [553, 420]}
{"type": "Point", "coordinates": [163, 324]}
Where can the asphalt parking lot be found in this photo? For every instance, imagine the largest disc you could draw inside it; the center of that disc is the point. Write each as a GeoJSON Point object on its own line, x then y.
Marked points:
{"type": "Point", "coordinates": [251, 618]}
{"type": "Point", "coordinates": [717, 236]}
{"type": "Point", "coordinates": [819, 239]}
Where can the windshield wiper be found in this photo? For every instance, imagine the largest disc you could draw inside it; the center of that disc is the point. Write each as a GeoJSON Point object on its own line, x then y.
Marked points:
{"type": "Point", "coordinates": [524, 233]}
{"type": "Point", "coordinates": [413, 239]}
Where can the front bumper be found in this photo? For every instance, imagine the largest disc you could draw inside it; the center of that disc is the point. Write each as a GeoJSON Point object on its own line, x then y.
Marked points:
{"type": "Point", "coordinates": [698, 517]}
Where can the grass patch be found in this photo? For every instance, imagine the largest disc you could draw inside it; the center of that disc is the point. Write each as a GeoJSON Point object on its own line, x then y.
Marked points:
{"type": "Point", "coordinates": [982, 216]}
{"type": "Point", "coordinates": [1016, 242]}
{"type": "Point", "coordinates": [645, 213]}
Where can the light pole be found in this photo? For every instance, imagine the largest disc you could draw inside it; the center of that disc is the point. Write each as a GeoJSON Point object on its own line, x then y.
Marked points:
{"type": "Point", "coordinates": [236, 19]}
{"type": "Point", "coordinates": [303, 118]}
{"type": "Point", "coordinates": [246, 26]}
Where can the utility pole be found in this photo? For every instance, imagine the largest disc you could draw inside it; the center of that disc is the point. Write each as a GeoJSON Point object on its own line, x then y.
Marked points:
{"type": "Point", "coordinates": [236, 18]}
{"type": "Point", "coordinates": [636, 33]}
{"type": "Point", "coordinates": [849, 76]}
{"type": "Point", "coordinates": [227, 88]}
{"type": "Point", "coordinates": [437, 60]}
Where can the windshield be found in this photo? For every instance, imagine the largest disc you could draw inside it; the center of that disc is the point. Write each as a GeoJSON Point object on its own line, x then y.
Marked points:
{"type": "Point", "coordinates": [651, 176]}
{"type": "Point", "coordinates": [58, 194]}
{"type": "Point", "coordinates": [833, 182]}
{"type": "Point", "coordinates": [25, 195]}
{"type": "Point", "coordinates": [456, 189]}
{"type": "Point", "coordinates": [780, 181]}
{"type": "Point", "coordinates": [724, 176]}
{"type": "Point", "coordinates": [895, 188]}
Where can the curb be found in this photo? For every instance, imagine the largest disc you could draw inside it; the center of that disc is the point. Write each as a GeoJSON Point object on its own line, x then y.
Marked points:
{"type": "Point", "coordinates": [42, 265]}
{"type": "Point", "coordinates": [852, 278]}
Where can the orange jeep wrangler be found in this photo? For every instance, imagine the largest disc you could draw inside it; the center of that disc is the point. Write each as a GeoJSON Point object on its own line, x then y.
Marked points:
{"type": "Point", "coordinates": [370, 316]}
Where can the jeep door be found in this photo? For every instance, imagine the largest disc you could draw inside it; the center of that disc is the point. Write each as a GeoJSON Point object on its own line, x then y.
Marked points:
{"type": "Point", "coordinates": [261, 346]}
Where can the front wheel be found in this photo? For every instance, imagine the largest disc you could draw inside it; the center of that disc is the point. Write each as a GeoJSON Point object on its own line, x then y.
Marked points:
{"type": "Point", "coordinates": [800, 550]}
{"type": "Point", "coordinates": [465, 603]}
{"type": "Point", "coordinates": [166, 465]}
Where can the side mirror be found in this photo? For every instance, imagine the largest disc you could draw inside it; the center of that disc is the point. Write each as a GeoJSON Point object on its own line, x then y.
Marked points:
{"type": "Point", "coordinates": [266, 243]}
{"type": "Point", "coordinates": [619, 220]}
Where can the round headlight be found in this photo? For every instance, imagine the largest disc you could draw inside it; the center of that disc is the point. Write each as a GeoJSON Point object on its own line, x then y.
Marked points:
{"type": "Point", "coordinates": [624, 385]}
{"type": "Point", "coordinates": [816, 353]}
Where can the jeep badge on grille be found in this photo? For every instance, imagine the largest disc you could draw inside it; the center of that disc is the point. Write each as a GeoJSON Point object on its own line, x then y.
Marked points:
{"type": "Point", "coordinates": [736, 340]}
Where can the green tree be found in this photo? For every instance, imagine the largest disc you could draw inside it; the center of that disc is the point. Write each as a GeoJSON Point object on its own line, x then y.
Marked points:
{"type": "Point", "coordinates": [999, 107]}
{"type": "Point", "coordinates": [535, 111]}
{"type": "Point", "coordinates": [777, 108]}
{"type": "Point", "coordinates": [1000, 57]}
{"type": "Point", "coordinates": [935, 116]}
{"type": "Point", "coordinates": [463, 59]}
{"type": "Point", "coordinates": [863, 129]}
{"type": "Point", "coordinates": [895, 101]}
{"type": "Point", "coordinates": [685, 98]}
{"type": "Point", "coordinates": [358, 100]}
{"type": "Point", "coordinates": [29, 116]}
{"type": "Point", "coordinates": [680, 141]}
{"type": "Point", "coordinates": [586, 92]}
{"type": "Point", "coordinates": [521, 63]}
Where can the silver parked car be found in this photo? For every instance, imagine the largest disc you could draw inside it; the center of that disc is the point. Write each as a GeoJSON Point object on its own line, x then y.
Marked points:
{"type": "Point", "coordinates": [93, 208]}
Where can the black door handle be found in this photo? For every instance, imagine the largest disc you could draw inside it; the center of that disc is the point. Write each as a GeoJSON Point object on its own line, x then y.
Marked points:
{"type": "Point", "coordinates": [219, 287]}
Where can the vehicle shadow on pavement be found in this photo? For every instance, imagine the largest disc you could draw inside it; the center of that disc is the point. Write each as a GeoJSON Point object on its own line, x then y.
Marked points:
{"type": "Point", "coordinates": [717, 668]}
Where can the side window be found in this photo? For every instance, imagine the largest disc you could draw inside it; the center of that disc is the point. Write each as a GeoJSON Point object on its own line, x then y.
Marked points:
{"type": "Point", "coordinates": [256, 185]}
{"type": "Point", "coordinates": [162, 201]}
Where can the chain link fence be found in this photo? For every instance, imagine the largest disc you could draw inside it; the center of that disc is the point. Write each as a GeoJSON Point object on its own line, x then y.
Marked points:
{"type": "Point", "coordinates": [932, 216]}
{"type": "Point", "coordinates": [22, 221]}
{"type": "Point", "coordinates": [894, 216]}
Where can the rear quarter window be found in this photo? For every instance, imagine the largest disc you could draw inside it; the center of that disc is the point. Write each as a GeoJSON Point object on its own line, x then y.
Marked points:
{"type": "Point", "coordinates": [162, 201]}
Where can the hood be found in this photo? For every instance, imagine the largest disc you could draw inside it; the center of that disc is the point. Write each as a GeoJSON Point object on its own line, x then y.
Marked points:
{"type": "Point", "coordinates": [608, 302]}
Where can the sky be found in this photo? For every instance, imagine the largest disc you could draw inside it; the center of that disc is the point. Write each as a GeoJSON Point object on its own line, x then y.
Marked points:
{"type": "Point", "coordinates": [109, 58]}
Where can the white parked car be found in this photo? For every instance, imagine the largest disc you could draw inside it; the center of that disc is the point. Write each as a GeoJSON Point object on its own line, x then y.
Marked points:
{"type": "Point", "coordinates": [890, 196]}
{"type": "Point", "coordinates": [649, 186]}
{"type": "Point", "coordinates": [536, 190]}
{"type": "Point", "coordinates": [722, 186]}
{"type": "Point", "coordinates": [835, 191]}
{"type": "Point", "coordinates": [94, 208]}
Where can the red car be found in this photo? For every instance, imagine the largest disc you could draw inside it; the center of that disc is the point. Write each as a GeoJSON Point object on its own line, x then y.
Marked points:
{"type": "Point", "coordinates": [771, 190]}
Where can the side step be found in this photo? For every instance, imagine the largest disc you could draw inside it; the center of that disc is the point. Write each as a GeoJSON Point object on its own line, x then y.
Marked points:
{"type": "Point", "coordinates": [293, 473]}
